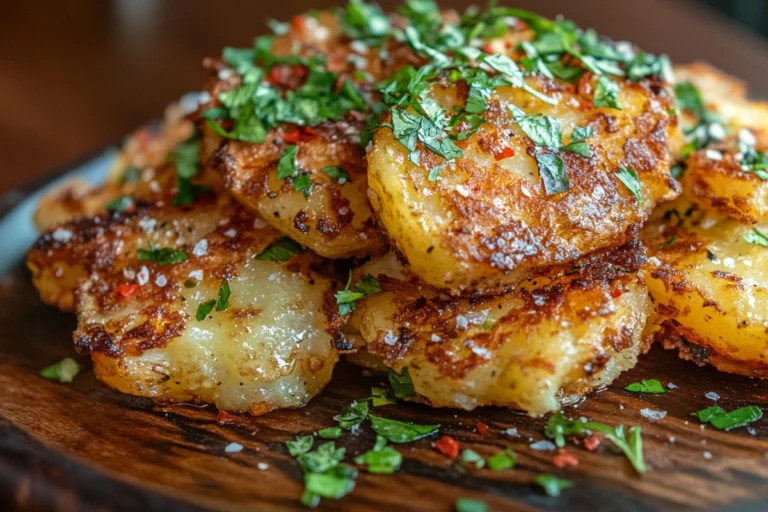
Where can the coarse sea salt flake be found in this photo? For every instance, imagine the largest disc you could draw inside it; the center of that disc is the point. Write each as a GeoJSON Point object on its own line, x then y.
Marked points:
{"type": "Point", "coordinates": [712, 396]}
{"type": "Point", "coordinates": [652, 415]}
{"type": "Point", "coordinates": [200, 248]}
{"type": "Point", "coordinates": [62, 235]}
{"type": "Point", "coordinates": [233, 448]}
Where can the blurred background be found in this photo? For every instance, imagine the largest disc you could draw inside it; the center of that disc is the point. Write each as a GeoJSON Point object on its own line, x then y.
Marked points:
{"type": "Point", "coordinates": [76, 75]}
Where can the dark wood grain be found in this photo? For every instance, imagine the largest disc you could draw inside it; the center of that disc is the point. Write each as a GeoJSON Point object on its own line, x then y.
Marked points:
{"type": "Point", "coordinates": [85, 447]}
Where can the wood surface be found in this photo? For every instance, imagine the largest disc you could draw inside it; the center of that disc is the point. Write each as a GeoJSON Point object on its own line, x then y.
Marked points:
{"type": "Point", "coordinates": [76, 75]}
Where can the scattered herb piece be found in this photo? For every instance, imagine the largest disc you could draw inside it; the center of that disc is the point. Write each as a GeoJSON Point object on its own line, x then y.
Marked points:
{"type": "Point", "coordinates": [553, 174]}
{"type": "Point", "coordinates": [756, 237]}
{"type": "Point", "coordinates": [64, 371]}
{"type": "Point", "coordinates": [325, 457]}
{"type": "Point", "coordinates": [722, 420]}
{"type": "Point", "coordinates": [629, 178]}
{"type": "Point", "coordinates": [302, 444]}
{"type": "Point", "coordinates": [668, 243]}
{"type": "Point", "coordinates": [706, 415]}
{"type": "Point", "coordinates": [382, 396]}
{"type": "Point", "coordinates": [334, 483]}
{"type": "Point", "coordinates": [129, 175]}
{"type": "Point", "coordinates": [337, 173]}
{"type": "Point", "coordinates": [121, 204]}
{"type": "Point", "coordinates": [282, 249]}
{"type": "Point", "coordinates": [503, 460]}
{"type": "Point", "coordinates": [606, 93]}
{"type": "Point", "coordinates": [381, 459]}
{"type": "Point", "coordinates": [400, 431]}
{"type": "Point", "coordinates": [164, 256]}
{"type": "Point", "coordinates": [647, 386]}
{"type": "Point", "coordinates": [542, 130]}
{"type": "Point", "coordinates": [553, 485]}
{"type": "Point", "coordinates": [330, 433]}
{"type": "Point", "coordinates": [347, 298]}
{"type": "Point", "coordinates": [220, 303]}
{"type": "Point", "coordinates": [352, 415]}
{"type": "Point", "coordinates": [631, 444]}
{"type": "Point", "coordinates": [401, 383]}
{"type": "Point", "coordinates": [472, 457]}
{"type": "Point", "coordinates": [471, 505]}
{"type": "Point", "coordinates": [488, 324]}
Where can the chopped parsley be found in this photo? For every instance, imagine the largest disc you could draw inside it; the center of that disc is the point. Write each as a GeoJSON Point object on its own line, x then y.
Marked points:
{"type": "Point", "coordinates": [503, 460]}
{"type": "Point", "coordinates": [336, 172]}
{"type": "Point", "coordinates": [606, 93]}
{"type": "Point", "coordinates": [121, 204]}
{"type": "Point", "coordinates": [553, 174]}
{"type": "Point", "coordinates": [756, 237]}
{"type": "Point", "coordinates": [542, 130]}
{"type": "Point", "coordinates": [130, 174]}
{"type": "Point", "coordinates": [322, 459]}
{"type": "Point", "coordinates": [629, 178]}
{"type": "Point", "coordinates": [631, 443]}
{"type": "Point", "coordinates": [402, 384]}
{"type": "Point", "coordinates": [352, 415]}
{"type": "Point", "coordinates": [471, 457]}
{"type": "Point", "coordinates": [325, 476]}
{"type": "Point", "coordinates": [579, 144]}
{"type": "Point", "coordinates": [723, 420]}
{"type": "Point", "coordinates": [348, 297]}
{"type": "Point", "coordinates": [164, 256]}
{"type": "Point", "coordinates": [287, 168]}
{"type": "Point", "coordinates": [330, 433]}
{"type": "Point", "coordinates": [647, 386]}
{"type": "Point", "coordinates": [282, 249]}
{"type": "Point", "coordinates": [301, 444]}
{"type": "Point", "coordinates": [64, 371]}
{"type": "Point", "coordinates": [220, 303]}
{"type": "Point", "coordinates": [553, 485]}
{"type": "Point", "coordinates": [382, 396]}
{"type": "Point", "coordinates": [471, 505]}
{"type": "Point", "coordinates": [381, 459]}
{"type": "Point", "coordinates": [186, 156]}
{"type": "Point", "coordinates": [708, 127]}
{"type": "Point", "coordinates": [400, 431]}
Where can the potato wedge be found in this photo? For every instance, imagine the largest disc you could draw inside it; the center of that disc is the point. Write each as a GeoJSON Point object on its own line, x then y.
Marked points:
{"type": "Point", "coordinates": [564, 332]}
{"type": "Point", "coordinates": [710, 287]}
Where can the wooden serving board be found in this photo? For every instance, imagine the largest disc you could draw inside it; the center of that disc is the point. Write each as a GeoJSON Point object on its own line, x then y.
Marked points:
{"type": "Point", "coordinates": [83, 446]}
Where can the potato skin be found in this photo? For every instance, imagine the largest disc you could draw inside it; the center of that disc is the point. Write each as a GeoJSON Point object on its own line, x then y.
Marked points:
{"type": "Point", "coordinates": [272, 348]}
{"type": "Point", "coordinates": [564, 332]}
{"type": "Point", "coordinates": [710, 288]}
{"type": "Point", "coordinates": [487, 223]}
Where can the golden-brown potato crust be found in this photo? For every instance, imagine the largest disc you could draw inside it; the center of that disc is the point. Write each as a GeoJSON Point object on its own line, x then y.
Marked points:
{"type": "Point", "coordinates": [487, 222]}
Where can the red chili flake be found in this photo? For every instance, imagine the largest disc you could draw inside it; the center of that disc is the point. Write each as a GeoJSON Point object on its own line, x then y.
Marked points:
{"type": "Point", "coordinates": [482, 427]}
{"type": "Point", "coordinates": [585, 84]}
{"type": "Point", "coordinates": [301, 134]}
{"type": "Point", "coordinates": [488, 49]}
{"type": "Point", "coordinates": [616, 293]}
{"type": "Point", "coordinates": [563, 459]}
{"type": "Point", "coordinates": [448, 446]}
{"type": "Point", "coordinates": [224, 418]}
{"type": "Point", "coordinates": [298, 22]}
{"type": "Point", "coordinates": [505, 153]}
{"type": "Point", "coordinates": [126, 290]}
{"type": "Point", "coordinates": [591, 443]}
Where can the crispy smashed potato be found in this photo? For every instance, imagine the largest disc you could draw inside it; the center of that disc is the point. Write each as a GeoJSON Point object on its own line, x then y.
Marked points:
{"type": "Point", "coordinates": [710, 287]}
{"type": "Point", "coordinates": [488, 222]}
{"type": "Point", "coordinates": [267, 347]}
{"type": "Point", "coordinates": [564, 332]}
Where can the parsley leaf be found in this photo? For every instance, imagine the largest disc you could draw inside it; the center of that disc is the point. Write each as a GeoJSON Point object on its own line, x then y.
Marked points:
{"type": "Point", "coordinates": [559, 426]}
{"type": "Point", "coordinates": [689, 98]}
{"type": "Point", "coordinates": [286, 165]}
{"type": "Point", "coordinates": [129, 175]}
{"type": "Point", "coordinates": [381, 459]}
{"type": "Point", "coordinates": [553, 174]}
{"type": "Point", "coordinates": [722, 420]}
{"type": "Point", "coordinates": [646, 386]}
{"type": "Point", "coordinates": [282, 249]}
{"type": "Point", "coordinates": [542, 130]}
{"type": "Point", "coordinates": [756, 237]}
{"type": "Point", "coordinates": [629, 178]}
{"type": "Point", "coordinates": [401, 383]}
{"type": "Point", "coordinates": [334, 484]}
{"type": "Point", "coordinates": [400, 431]}
{"type": "Point", "coordinates": [322, 459]}
{"type": "Point", "coordinates": [347, 298]}
{"type": "Point", "coordinates": [471, 505]}
{"type": "Point", "coordinates": [552, 485]}
{"type": "Point", "coordinates": [606, 93]}
{"type": "Point", "coordinates": [503, 460]}
{"type": "Point", "coordinates": [382, 396]}
{"type": "Point", "coordinates": [330, 433]}
{"type": "Point", "coordinates": [220, 303]}
{"type": "Point", "coordinates": [164, 256]}
{"type": "Point", "coordinates": [121, 204]}
{"type": "Point", "coordinates": [706, 415]}
{"type": "Point", "coordinates": [302, 444]}
{"type": "Point", "coordinates": [365, 22]}
{"type": "Point", "coordinates": [352, 415]}
{"type": "Point", "coordinates": [337, 173]}
{"type": "Point", "coordinates": [64, 371]}
{"type": "Point", "coordinates": [472, 457]}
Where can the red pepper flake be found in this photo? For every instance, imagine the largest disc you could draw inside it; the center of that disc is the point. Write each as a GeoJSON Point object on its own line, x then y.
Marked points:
{"type": "Point", "coordinates": [563, 459]}
{"type": "Point", "coordinates": [482, 427]}
{"type": "Point", "coordinates": [585, 84]}
{"type": "Point", "coordinates": [505, 153]}
{"type": "Point", "coordinates": [302, 134]}
{"type": "Point", "coordinates": [448, 446]}
{"type": "Point", "coordinates": [225, 418]}
{"type": "Point", "coordinates": [126, 290]}
{"type": "Point", "coordinates": [616, 293]}
{"type": "Point", "coordinates": [591, 443]}
{"type": "Point", "coordinates": [299, 22]}
{"type": "Point", "coordinates": [488, 49]}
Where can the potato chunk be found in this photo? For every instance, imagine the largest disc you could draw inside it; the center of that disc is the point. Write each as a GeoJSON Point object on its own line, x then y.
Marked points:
{"type": "Point", "coordinates": [710, 287]}
{"type": "Point", "coordinates": [488, 221]}
{"type": "Point", "coordinates": [562, 333]}
{"type": "Point", "coordinates": [151, 328]}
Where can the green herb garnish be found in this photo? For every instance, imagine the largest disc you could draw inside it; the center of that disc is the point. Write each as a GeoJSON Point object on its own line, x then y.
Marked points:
{"type": "Point", "coordinates": [402, 384]}
{"type": "Point", "coordinates": [164, 256]}
{"type": "Point", "coordinates": [647, 386]}
{"type": "Point", "coordinates": [553, 174]}
{"type": "Point", "coordinates": [756, 237]}
{"type": "Point", "coordinates": [220, 303]}
{"type": "Point", "coordinates": [381, 459]}
{"type": "Point", "coordinates": [64, 371]}
{"type": "Point", "coordinates": [552, 485]}
{"type": "Point", "coordinates": [606, 93]}
{"type": "Point", "coordinates": [120, 204]}
{"type": "Point", "coordinates": [722, 420]}
{"type": "Point", "coordinates": [337, 173]}
{"type": "Point", "coordinates": [301, 444]}
{"type": "Point", "coordinates": [629, 178]}
{"type": "Point", "coordinates": [472, 457]}
{"type": "Point", "coordinates": [348, 297]}
{"type": "Point", "coordinates": [503, 460]}
{"type": "Point", "coordinates": [330, 433]}
{"type": "Point", "coordinates": [400, 431]}
{"type": "Point", "coordinates": [352, 415]}
{"type": "Point", "coordinates": [282, 249]}
{"type": "Point", "coordinates": [382, 396]}
{"type": "Point", "coordinates": [471, 505]}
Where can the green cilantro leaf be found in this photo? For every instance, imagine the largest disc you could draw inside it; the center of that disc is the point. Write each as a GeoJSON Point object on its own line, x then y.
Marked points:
{"type": "Point", "coordinates": [559, 426]}
{"type": "Point", "coordinates": [552, 485]}
{"type": "Point", "coordinates": [606, 93]}
{"type": "Point", "coordinates": [553, 174]}
{"type": "Point", "coordinates": [647, 386]}
{"type": "Point", "coordinates": [668, 243]}
{"type": "Point", "coordinates": [401, 383]}
{"type": "Point", "coordinates": [302, 183]}
{"type": "Point", "coordinates": [322, 459]}
{"type": "Point", "coordinates": [282, 249]}
{"type": "Point", "coordinates": [400, 431]}
{"type": "Point", "coordinates": [629, 178]}
{"type": "Point", "coordinates": [64, 371]}
{"type": "Point", "coordinates": [706, 415]}
{"type": "Point", "coordinates": [164, 256]}
{"type": "Point", "coordinates": [334, 484]}
{"type": "Point", "coordinates": [352, 415]}
{"type": "Point", "coordinates": [756, 237]}
{"type": "Point", "coordinates": [689, 98]}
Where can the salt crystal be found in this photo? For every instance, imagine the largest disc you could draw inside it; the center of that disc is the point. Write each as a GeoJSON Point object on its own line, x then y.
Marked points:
{"type": "Point", "coordinates": [200, 248]}
{"type": "Point", "coordinates": [712, 396]}
{"type": "Point", "coordinates": [511, 431]}
{"type": "Point", "coordinates": [462, 322]}
{"type": "Point", "coordinates": [62, 235]}
{"type": "Point", "coordinates": [230, 233]}
{"type": "Point", "coordinates": [671, 386]}
{"type": "Point", "coordinates": [262, 465]}
{"type": "Point", "coordinates": [707, 455]}
{"type": "Point", "coordinates": [233, 448]}
{"type": "Point", "coordinates": [652, 415]}
{"type": "Point", "coordinates": [713, 154]}
{"type": "Point", "coordinates": [543, 446]}
{"type": "Point", "coordinates": [259, 224]}
{"type": "Point", "coordinates": [196, 275]}
{"type": "Point", "coordinates": [161, 280]}
{"type": "Point", "coordinates": [390, 338]}
{"type": "Point", "coordinates": [147, 224]}
{"type": "Point", "coordinates": [435, 337]}
{"type": "Point", "coordinates": [143, 276]}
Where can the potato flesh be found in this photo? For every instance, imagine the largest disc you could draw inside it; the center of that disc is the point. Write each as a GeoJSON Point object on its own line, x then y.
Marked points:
{"type": "Point", "coordinates": [710, 287]}
{"type": "Point", "coordinates": [486, 224]}
{"type": "Point", "coordinates": [554, 339]}
{"type": "Point", "coordinates": [271, 348]}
